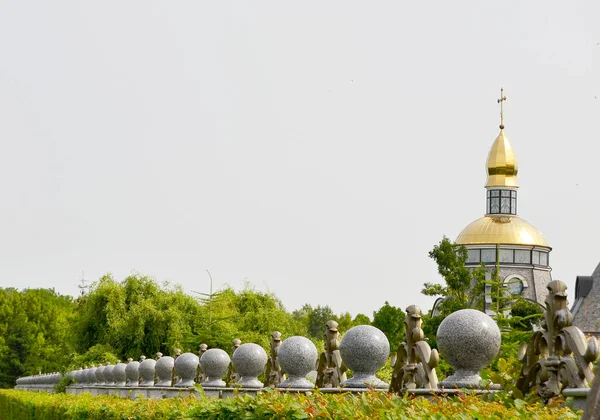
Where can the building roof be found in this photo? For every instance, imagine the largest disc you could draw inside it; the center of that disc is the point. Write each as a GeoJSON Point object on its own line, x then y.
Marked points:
{"type": "Point", "coordinates": [502, 165]}
{"type": "Point", "coordinates": [506, 230]}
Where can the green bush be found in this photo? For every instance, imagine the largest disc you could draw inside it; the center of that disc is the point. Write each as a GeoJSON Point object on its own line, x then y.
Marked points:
{"type": "Point", "coordinates": [21, 405]}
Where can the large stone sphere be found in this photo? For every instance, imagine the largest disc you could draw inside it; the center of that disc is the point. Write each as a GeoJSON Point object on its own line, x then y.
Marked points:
{"type": "Point", "coordinates": [297, 356]}
{"type": "Point", "coordinates": [92, 380]}
{"type": "Point", "coordinates": [100, 375]}
{"type": "Point", "coordinates": [364, 349]}
{"type": "Point", "coordinates": [469, 340]}
{"type": "Point", "coordinates": [133, 374]}
{"type": "Point", "coordinates": [186, 366]}
{"type": "Point", "coordinates": [249, 361]}
{"type": "Point", "coordinates": [215, 364]}
{"type": "Point", "coordinates": [146, 371]}
{"type": "Point", "coordinates": [164, 370]}
{"type": "Point", "coordinates": [108, 374]}
{"type": "Point", "coordinates": [119, 374]}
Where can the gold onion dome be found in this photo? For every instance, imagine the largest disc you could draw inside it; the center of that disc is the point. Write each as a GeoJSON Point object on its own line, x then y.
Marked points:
{"type": "Point", "coordinates": [502, 166]}
{"type": "Point", "coordinates": [503, 230]}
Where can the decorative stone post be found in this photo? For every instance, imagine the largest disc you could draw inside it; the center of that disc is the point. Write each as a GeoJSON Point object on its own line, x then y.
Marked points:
{"type": "Point", "coordinates": [186, 366]}
{"type": "Point", "coordinates": [364, 349]}
{"type": "Point", "coordinates": [215, 363]}
{"type": "Point", "coordinates": [132, 372]}
{"type": "Point", "coordinates": [146, 370]}
{"type": "Point", "coordinates": [298, 356]}
{"type": "Point", "coordinates": [469, 340]}
{"type": "Point", "coordinates": [119, 374]}
{"type": "Point", "coordinates": [164, 370]}
{"type": "Point", "coordinates": [249, 361]}
{"type": "Point", "coordinates": [108, 374]}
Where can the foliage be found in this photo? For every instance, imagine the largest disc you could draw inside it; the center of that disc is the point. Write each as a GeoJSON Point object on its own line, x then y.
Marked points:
{"type": "Point", "coordinates": [464, 287]}
{"type": "Point", "coordinates": [135, 316]}
{"type": "Point", "coordinates": [19, 405]}
{"type": "Point", "coordinates": [524, 314]}
{"type": "Point", "coordinates": [34, 332]}
{"type": "Point", "coordinates": [390, 320]}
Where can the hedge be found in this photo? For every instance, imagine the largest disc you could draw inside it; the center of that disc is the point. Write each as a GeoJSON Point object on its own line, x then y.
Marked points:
{"type": "Point", "coordinates": [22, 405]}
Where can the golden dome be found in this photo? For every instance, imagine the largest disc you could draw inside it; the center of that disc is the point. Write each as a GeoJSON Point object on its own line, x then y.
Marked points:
{"type": "Point", "coordinates": [502, 166]}
{"type": "Point", "coordinates": [505, 230]}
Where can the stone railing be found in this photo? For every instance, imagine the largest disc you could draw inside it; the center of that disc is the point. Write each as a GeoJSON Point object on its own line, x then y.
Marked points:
{"type": "Point", "coordinates": [558, 360]}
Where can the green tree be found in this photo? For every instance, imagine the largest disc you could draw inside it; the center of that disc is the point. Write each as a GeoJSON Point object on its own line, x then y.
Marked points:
{"type": "Point", "coordinates": [463, 287]}
{"type": "Point", "coordinates": [390, 320]}
{"type": "Point", "coordinates": [34, 332]}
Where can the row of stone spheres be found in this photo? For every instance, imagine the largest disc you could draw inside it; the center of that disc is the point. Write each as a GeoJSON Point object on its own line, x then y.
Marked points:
{"type": "Point", "coordinates": [558, 359]}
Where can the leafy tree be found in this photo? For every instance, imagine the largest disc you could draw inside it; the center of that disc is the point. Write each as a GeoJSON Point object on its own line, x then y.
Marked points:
{"type": "Point", "coordinates": [464, 287]}
{"type": "Point", "coordinates": [390, 320]}
{"type": "Point", "coordinates": [361, 319]}
{"type": "Point", "coordinates": [34, 332]}
{"type": "Point", "coordinates": [524, 313]}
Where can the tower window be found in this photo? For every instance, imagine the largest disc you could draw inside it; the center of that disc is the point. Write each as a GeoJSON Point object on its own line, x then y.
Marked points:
{"type": "Point", "coordinates": [501, 202]}
{"type": "Point", "coordinates": [543, 258]}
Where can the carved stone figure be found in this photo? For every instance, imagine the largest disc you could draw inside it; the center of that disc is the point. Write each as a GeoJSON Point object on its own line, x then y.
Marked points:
{"type": "Point", "coordinates": [201, 375]}
{"type": "Point", "coordinates": [414, 363]}
{"type": "Point", "coordinates": [232, 376]}
{"type": "Point", "coordinates": [559, 356]}
{"type": "Point", "coordinates": [274, 375]}
{"type": "Point", "coordinates": [331, 372]}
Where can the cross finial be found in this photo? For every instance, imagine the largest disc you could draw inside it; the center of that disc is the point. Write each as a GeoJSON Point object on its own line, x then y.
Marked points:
{"type": "Point", "coordinates": [501, 102]}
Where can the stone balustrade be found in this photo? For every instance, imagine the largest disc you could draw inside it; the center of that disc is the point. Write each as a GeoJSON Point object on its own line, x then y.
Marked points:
{"type": "Point", "coordinates": [467, 339]}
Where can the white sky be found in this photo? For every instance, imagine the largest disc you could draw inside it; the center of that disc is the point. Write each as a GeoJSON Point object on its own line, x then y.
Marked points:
{"type": "Point", "coordinates": [317, 149]}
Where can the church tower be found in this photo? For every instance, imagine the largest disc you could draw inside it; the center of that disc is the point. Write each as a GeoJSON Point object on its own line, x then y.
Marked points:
{"type": "Point", "coordinates": [501, 238]}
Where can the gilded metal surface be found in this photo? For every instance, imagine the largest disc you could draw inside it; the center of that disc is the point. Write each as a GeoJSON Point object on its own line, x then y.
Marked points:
{"type": "Point", "coordinates": [501, 230]}
{"type": "Point", "coordinates": [502, 166]}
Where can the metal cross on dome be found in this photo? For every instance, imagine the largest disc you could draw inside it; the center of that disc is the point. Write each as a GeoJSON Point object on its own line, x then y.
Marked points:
{"type": "Point", "coordinates": [501, 102]}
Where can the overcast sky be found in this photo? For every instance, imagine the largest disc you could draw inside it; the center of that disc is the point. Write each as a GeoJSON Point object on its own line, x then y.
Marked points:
{"type": "Point", "coordinates": [315, 149]}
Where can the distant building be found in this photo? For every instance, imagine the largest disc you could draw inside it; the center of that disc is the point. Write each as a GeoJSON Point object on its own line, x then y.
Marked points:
{"type": "Point", "coordinates": [502, 238]}
{"type": "Point", "coordinates": [586, 307]}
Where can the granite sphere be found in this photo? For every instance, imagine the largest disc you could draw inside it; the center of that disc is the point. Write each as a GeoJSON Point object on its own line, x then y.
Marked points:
{"type": "Point", "coordinates": [215, 364]}
{"type": "Point", "coordinates": [108, 374]}
{"type": "Point", "coordinates": [164, 370]}
{"type": "Point", "coordinates": [469, 340]}
{"type": "Point", "coordinates": [146, 371]}
{"type": "Point", "coordinates": [364, 349]}
{"type": "Point", "coordinates": [249, 361]}
{"type": "Point", "coordinates": [298, 357]}
{"type": "Point", "coordinates": [133, 374]}
{"type": "Point", "coordinates": [92, 376]}
{"type": "Point", "coordinates": [119, 374]}
{"type": "Point", "coordinates": [100, 375]}
{"type": "Point", "coordinates": [185, 367]}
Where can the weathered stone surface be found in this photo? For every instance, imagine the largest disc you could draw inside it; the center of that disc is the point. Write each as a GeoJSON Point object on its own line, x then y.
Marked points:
{"type": "Point", "coordinates": [249, 361]}
{"type": "Point", "coordinates": [215, 363]}
{"type": "Point", "coordinates": [119, 374]}
{"type": "Point", "coordinates": [592, 408]}
{"type": "Point", "coordinates": [164, 370]}
{"type": "Point", "coordinates": [146, 371]}
{"type": "Point", "coordinates": [185, 367]}
{"type": "Point", "coordinates": [297, 356]}
{"type": "Point", "coordinates": [469, 340]}
{"type": "Point", "coordinates": [132, 372]}
{"type": "Point", "coordinates": [108, 374]}
{"type": "Point", "coordinates": [364, 349]}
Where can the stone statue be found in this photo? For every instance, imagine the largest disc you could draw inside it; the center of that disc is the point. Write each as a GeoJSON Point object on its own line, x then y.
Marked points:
{"type": "Point", "coordinates": [559, 356]}
{"type": "Point", "coordinates": [274, 375]}
{"type": "Point", "coordinates": [414, 363]}
{"type": "Point", "coordinates": [158, 355]}
{"type": "Point", "coordinates": [232, 376]}
{"type": "Point", "coordinates": [331, 372]}
{"type": "Point", "coordinates": [201, 376]}
{"type": "Point", "coordinates": [177, 353]}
